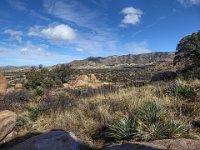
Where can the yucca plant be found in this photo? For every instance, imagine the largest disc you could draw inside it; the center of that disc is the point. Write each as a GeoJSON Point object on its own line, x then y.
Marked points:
{"type": "Point", "coordinates": [122, 130]}
{"type": "Point", "coordinates": [147, 132]}
{"type": "Point", "coordinates": [150, 112]}
{"type": "Point", "coordinates": [175, 129]}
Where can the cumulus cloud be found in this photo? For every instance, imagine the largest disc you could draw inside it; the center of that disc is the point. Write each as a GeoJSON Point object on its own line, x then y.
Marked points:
{"type": "Point", "coordinates": [17, 35]}
{"type": "Point", "coordinates": [132, 16]}
{"type": "Point", "coordinates": [187, 3]}
{"type": "Point", "coordinates": [60, 32]}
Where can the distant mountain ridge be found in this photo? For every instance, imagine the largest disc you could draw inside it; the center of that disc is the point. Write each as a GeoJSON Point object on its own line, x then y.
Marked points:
{"type": "Point", "coordinates": [140, 59]}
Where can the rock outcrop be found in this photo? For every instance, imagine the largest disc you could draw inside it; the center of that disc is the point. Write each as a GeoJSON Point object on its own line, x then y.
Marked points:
{"type": "Point", "coordinates": [7, 123]}
{"type": "Point", "coordinates": [173, 144]}
{"type": "Point", "coordinates": [52, 140]}
{"type": "Point", "coordinates": [85, 80]}
{"type": "Point", "coordinates": [18, 86]}
{"type": "Point", "coordinates": [3, 86]}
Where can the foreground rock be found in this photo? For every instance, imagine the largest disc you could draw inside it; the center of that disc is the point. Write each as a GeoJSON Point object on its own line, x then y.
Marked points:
{"type": "Point", "coordinates": [3, 86]}
{"type": "Point", "coordinates": [172, 144]}
{"type": "Point", "coordinates": [53, 140]}
{"type": "Point", "coordinates": [7, 123]}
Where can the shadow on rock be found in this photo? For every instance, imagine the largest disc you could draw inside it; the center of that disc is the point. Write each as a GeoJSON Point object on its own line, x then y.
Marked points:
{"type": "Point", "coordinates": [51, 140]}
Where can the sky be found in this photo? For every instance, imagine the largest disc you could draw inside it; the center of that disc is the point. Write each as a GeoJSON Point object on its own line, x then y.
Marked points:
{"type": "Point", "coordinates": [50, 32]}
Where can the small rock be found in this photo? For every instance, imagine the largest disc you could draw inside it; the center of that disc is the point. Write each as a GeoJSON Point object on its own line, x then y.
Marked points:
{"type": "Point", "coordinates": [7, 123]}
{"type": "Point", "coordinates": [18, 86]}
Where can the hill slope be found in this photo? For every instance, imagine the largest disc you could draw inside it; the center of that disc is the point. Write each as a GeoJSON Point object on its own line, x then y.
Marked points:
{"type": "Point", "coordinates": [140, 59]}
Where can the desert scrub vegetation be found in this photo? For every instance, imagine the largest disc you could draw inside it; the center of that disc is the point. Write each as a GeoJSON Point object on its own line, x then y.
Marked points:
{"type": "Point", "coordinates": [49, 78]}
{"type": "Point", "coordinates": [106, 114]}
{"type": "Point", "coordinates": [181, 90]}
{"type": "Point", "coordinates": [151, 123]}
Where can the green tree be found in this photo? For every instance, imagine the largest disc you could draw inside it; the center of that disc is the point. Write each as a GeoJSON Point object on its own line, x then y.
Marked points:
{"type": "Point", "coordinates": [40, 66]}
{"type": "Point", "coordinates": [188, 50]}
{"type": "Point", "coordinates": [63, 72]}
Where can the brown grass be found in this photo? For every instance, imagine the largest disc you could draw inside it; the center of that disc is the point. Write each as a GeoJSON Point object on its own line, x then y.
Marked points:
{"type": "Point", "coordinates": [89, 115]}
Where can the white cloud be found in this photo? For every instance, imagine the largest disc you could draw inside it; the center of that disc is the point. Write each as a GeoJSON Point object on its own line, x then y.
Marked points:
{"type": "Point", "coordinates": [73, 11]}
{"type": "Point", "coordinates": [17, 35]}
{"type": "Point", "coordinates": [60, 32]}
{"type": "Point", "coordinates": [187, 3]}
{"type": "Point", "coordinates": [132, 16]}
{"type": "Point", "coordinates": [137, 48]}
{"type": "Point", "coordinates": [94, 35]}
{"type": "Point", "coordinates": [31, 54]}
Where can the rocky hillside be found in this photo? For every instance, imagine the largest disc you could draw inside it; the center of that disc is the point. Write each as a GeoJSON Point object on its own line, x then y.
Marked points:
{"type": "Point", "coordinates": [140, 59]}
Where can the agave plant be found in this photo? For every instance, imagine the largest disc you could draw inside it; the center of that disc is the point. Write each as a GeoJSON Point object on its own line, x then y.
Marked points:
{"type": "Point", "coordinates": [122, 129]}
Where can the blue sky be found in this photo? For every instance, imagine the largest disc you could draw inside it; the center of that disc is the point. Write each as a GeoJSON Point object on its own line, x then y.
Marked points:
{"type": "Point", "coordinates": [49, 32]}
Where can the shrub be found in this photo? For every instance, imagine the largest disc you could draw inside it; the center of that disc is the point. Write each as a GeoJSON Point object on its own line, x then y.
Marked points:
{"type": "Point", "coordinates": [36, 112]}
{"type": "Point", "coordinates": [181, 90]}
{"type": "Point", "coordinates": [39, 91]}
{"type": "Point", "coordinates": [184, 91]}
{"type": "Point", "coordinates": [23, 122]}
{"type": "Point", "coordinates": [16, 99]}
{"type": "Point", "coordinates": [123, 129]}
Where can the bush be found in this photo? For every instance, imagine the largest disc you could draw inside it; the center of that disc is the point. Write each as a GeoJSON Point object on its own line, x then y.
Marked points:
{"type": "Point", "coordinates": [36, 112]}
{"type": "Point", "coordinates": [16, 99]}
{"type": "Point", "coordinates": [39, 91]}
{"type": "Point", "coordinates": [181, 90]}
{"type": "Point", "coordinates": [185, 91]}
